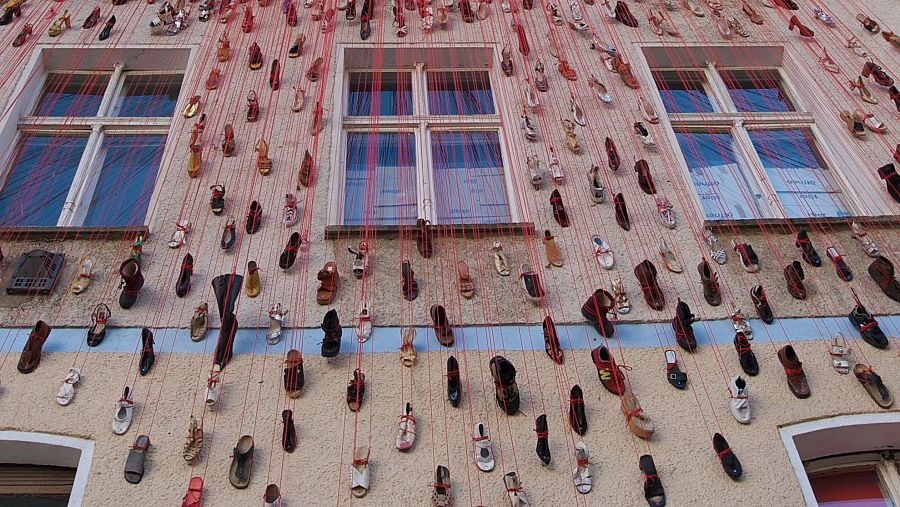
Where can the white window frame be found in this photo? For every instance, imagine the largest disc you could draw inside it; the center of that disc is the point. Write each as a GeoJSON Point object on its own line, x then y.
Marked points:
{"type": "Point", "coordinates": [21, 118]}
{"type": "Point", "coordinates": [22, 447]}
{"type": "Point", "coordinates": [421, 124]}
{"type": "Point", "coordinates": [737, 124]}
{"type": "Point", "coordinates": [884, 464]}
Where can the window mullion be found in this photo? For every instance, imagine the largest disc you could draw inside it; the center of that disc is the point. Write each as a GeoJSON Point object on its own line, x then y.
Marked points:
{"type": "Point", "coordinates": [718, 88]}
{"type": "Point", "coordinates": [112, 90]}
{"type": "Point", "coordinates": [83, 184]}
{"type": "Point", "coordinates": [891, 478]}
{"type": "Point", "coordinates": [751, 160]}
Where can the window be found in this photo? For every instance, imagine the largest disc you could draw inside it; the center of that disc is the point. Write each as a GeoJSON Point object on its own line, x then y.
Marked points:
{"type": "Point", "coordinates": [420, 142]}
{"type": "Point", "coordinates": [853, 486]}
{"type": "Point", "coordinates": [80, 159]}
{"type": "Point", "coordinates": [750, 149]}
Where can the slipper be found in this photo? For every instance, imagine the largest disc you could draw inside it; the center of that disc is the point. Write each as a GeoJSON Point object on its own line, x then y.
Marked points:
{"type": "Point", "coordinates": [242, 462]}
{"type": "Point", "coordinates": [484, 455]}
{"type": "Point", "coordinates": [179, 236]}
{"type": "Point", "coordinates": [364, 323]}
{"type": "Point", "coordinates": [517, 496]}
{"type": "Point", "coordinates": [840, 354]}
{"type": "Point", "coordinates": [276, 320]}
{"type": "Point", "coordinates": [407, 349]}
{"type": "Point", "coordinates": [638, 423]}
{"type": "Point", "coordinates": [123, 415]}
{"type": "Point", "coordinates": [874, 386]}
{"type": "Point", "coordinates": [670, 260]}
{"type": "Point", "coordinates": [359, 472]}
{"type": "Point", "coordinates": [134, 465]}
{"type": "Point", "coordinates": [97, 331]}
{"type": "Point", "coordinates": [328, 275]}
{"type": "Point", "coordinates": [67, 389]}
{"type": "Point", "coordinates": [214, 386]}
{"type": "Point", "coordinates": [582, 474]}
{"type": "Point", "coordinates": [466, 287]}
{"type": "Point", "coordinates": [500, 263]}
{"type": "Point", "coordinates": [83, 279]}
{"type": "Point", "coordinates": [674, 375]}
{"type": "Point", "coordinates": [194, 494]}
{"type": "Point", "coordinates": [603, 253]}
{"type": "Point", "coordinates": [406, 436]}
{"type": "Point", "coordinates": [740, 400]}
{"type": "Point", "coordinates": [441, 496]}
{"type": "Point", "coordinates": [653, 488]}
{"type": "Point", "coordinates": [554, 255]}
{"type": "Point", "coordinates": [194, 443]}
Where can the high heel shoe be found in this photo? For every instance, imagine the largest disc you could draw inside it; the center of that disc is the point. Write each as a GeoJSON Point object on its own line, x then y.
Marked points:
{"type": "Point", "coordinates": [228, 143]}
{"type": "Point", "coordinates": [252, 107]}
{"type": "Point", "coordinates": [56, 28]}
{"type": "Point", "coordinates": [299, 99]}
{"type": "Point", "coordinates": [864, 93]}
{"type": "Point", "coordinates": [212, 82]}
{"type": "Point", "coordinates": [107, 28]}
{"type": "Point", "coordinates": [297, 49]}
{"type": "Point", "coordinates": [256, 57]}
{"type": "Point", "coordinates": [263, 162]}
{"type": "Point", "coordinates": [247, 23]}
{"type": "Point", "coordinates": [313, 73]}
{"type": "Point", "coordinates": [275, 75]}
{"type": "Point", "coordinates": [20, 39]}
{"type": "Point", "coordinates": [92, 19]}
{"type": "Point", "coordinates": [224, 50]}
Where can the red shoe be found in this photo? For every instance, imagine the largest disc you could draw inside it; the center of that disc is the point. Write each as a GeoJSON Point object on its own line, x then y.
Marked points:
{"type": "Point", "coordinates": [247, 24]}
{"type": "Point", "coordinates": [194, 494]}
{"type": "Point", "coordinates": [523, 42]}
{"type": "Point", "coordinates": [879, 75]}
{"type": "Point", "coordinates": [20, 39]}
{"type": "Point", "coordinates": [610, 375]}
{"type": "Point", "coordinates": [897, 153]}
{"type": "Point", "coordinates": [803, 30]}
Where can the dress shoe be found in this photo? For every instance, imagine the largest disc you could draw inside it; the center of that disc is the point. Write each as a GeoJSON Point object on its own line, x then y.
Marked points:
{"type": "Point", "coordinates": [289, 255]}
{"type": "Point", "coordinates": [543, 446]}
{"type": "Point", "coordinates": [31, 353]}
{"type": "Point", "coordinates": [132, 281]}
{"type": "Point", "coordinates": [793, 275]}
{"type": "Point", "coordinates": [807, 249]}
{"type": "Point", "coordinates": [577, 417]}
{"type": "Point", "coordinates": [184, 277]}
{"type": "Point", "coordinates": [793, 369]}
{"type": "Point", "coordinates": [254, 218]}
{"type": "Point", "coordinates": [148, 357]}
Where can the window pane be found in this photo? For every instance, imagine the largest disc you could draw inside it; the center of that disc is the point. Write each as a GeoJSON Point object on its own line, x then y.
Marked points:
{"type": "Point", "coordinates": [759, 90]}
{"type": "Point", "coordinates": [149, 95]}
{"type": "Point", "coordinates": [381, 179]}
{"type": "Point", "coordinates": [460, 93]}
{"type": "Point", "coordinates": [468, 173]}
{"type": "Point", "coordinates": [855, 487]}
{"type": "Point", "coordinates": [724, 190]}
{"type": "Point", "coordinates": [797, 173]}
{"type": "Point", "coordinates": [683, 91]}
{"type": "Point", "coordinates": [126, 181]}
{"type": "Point", "coordinates": [36, 188]}
{"type": "Point", "coordinates": [385, 93]}
{"type": "Point", "coordinates": [72, 94]}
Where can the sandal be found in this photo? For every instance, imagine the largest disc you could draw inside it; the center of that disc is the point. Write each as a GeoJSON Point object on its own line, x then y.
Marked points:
{"type": "Point", "coordinates": [67, 389]}
{"type": "Point", "coordinates": [484, 455]}
{"type": "Point", "coordinates": [868, 23]}
{"type": "Point", "coordinates": [739, 322]}
{"type": "Point", "coordinates": [554, 255]}
{"type": "Point", "coordinates": [500, 263]}
{"type": "Point", "coordinates": [441, 496]}
{"type": "Point", "coordinates": [716, 250]}
{"type": "Point", "coordinates": [213, 386]}
{"type": "Point", "coordinates": [582, 473]}
{"type": "Point", "coordinates": [666, 212]}
{"type": "Point", "coordinates": [623, 306]}
{"type": "Point", "coordinates": [200, 322]}
{"type": "Point", "coordinates": [294, 379]}
{"type": "Point", "coordinates": [276, 321]}
{"type": "Point", "coordinates": [854, 45]}
{"type": "Point", "coordinates": [674, 375]}
{"type": "Point", "coordinates": [670, 260]}
{"type": "Point", "coordinates": [466, 287]}
{"type": "Point", "coordinates": [179, 237]}
{"type": "Point", "coordinates": [638, 423]}
{"type": "Point", "coordinates": [134, 465]}
{"type": "Point", "coordinates": [356, 390]}
{"type": "Point", "coordinates": [874, 385]}
{"type": "Point", "coordinates": [217, 201]}
{"type": "Point", "coordinates": [242, 462]}
{"type": "Point", "coordinates": [531, 283]}
{"type": "Point", "coordinates": [228, 234]}
{"type": "Point", "coordinates": [364, 323]}
{"type": "Point", "coordinates": [854, 123]}
{"type": "Point", "coordinates": [359, 472]}
{"type": "Point", "coordinates": [407, 349]}
{"type": "Point", "coordinates": [360, 264]}
{"type": "Point", "coordinates": [99, 318]}
{"type": "Point", "coordinates": [603, 253]}
{"type": "Point", "coordinates": [81, 281]}
{"type": "Point", "coordinates": [328, 276]}
{"type": "Point", "coordinates": [194, 442]}
{"type": "Point", "coordinates": [406, 436]}
{"type": "Point", "coordinates": [840, 354]}
{"type": "Point", "coordinates": [653, 488]}
{"type": "Point", "coordinates": [194, 495]}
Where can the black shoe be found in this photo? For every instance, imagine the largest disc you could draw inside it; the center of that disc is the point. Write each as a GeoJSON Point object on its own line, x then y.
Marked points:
{"type": "Point", "coordinates": [730, 462]}
{"type": "Point", "coordinates": [577, 417]}
{"type": "Point", "coordinates": [543, 446]}
{"type": "Point", "coordinates": [107, 28]}
{"type": "Point", "coordinates": [351, 10]}
{"type": "Point", "coordinates": [92, 19]}
{"type": "Point", "coordinates": [365, 29]}
{"type": "Point", "coordinates": [409, 287]}
{"type": "Point", "coordinates": [559, 210]}
{"type": "Point", "coordinates": [275, 75]}
{"type": "Point", "coordinates": [745, 354]}
{"type": "Point", "coordinates": [217, 201]}
{"type": "Point", "coordinates": [184, 278]}
{"type": "Point", "coordinates": [254, 218]}
{"type": "Point", "coordinates": [684, 333]}
{"type": "Point", "coordinates": [809, 253]}
{"type": "Point", "coordinates": [506, 391]}
{"type": "Point", "coordinates": [99, 320]}
{"type": "Point", "coordinates": [289, 434]}
{"type": "Point", "coordinates": [596, 311]}
{"type": "Point", "coordinates": [674, 375]}
{"type": "Point", "coordinates": [454, 386]}
{"type": "Point", "coordinates": [289, 255]}
{"type": "Point", "coordinates": [331, 324]}
{"type": "Point", "coordinates": [551, 341]}
{"type": "Point", "coordinates": [761, 303]}
{"type": "Point", "coordinates": [228, 235]}
{"type": "Point", "coordinates": [868, 327]}
{"type": "Point", "coordinates": [424, 238]}
{"type": "Point", "coordinates": [226, 288]}
{"type": "Point", "coordinates": [653, 488]}
{"type": "Point", "coordinates": [442, 329]}
{"type": "Point", "coordinates": [294, 379]}
{"type": "Point", "coordinates": [645, 179]}
{"type": "Point", "coordinates": [624, 15]}
{"type": "Point", "coordinates": [621, 212]}
{"type": "Point", "coordinates": [147, 355]}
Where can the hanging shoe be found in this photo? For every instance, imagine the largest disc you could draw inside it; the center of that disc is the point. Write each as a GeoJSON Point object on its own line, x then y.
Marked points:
{"type": "Point", "coordinates": [644, 178]}
{"type": "Point", "coordinates": [840, 354]}
{"type": "Point", "coordinates": [531, 283]}
{"type": "Point", "coordinates": [297, 49]}
{"type": "Point", "coordinates": [596, 310]}
{"type": "Point", "coordinates": [183, 285]}
{"type": "Point", "coordinates": [228, 234]}
{"type": "Point", "coordinates": [275, 75]}
{"type": "Point", "coordinates": [623, 306]}
{"type": "Point", "coordinates": [484, 455]}
{"type": "Point", "coordinates": [360, 265]}
{"type": "Point", "coordinates": [276, 323]}
{"type": "Point", "coordinates": [97, 331]}
{"type": "Point", "coordinates": [751, 13]}
{"type": "Point", "coordinates": [746, 357]}
{"type": "Point", "coordinates": [123, 414]}
{"type": "Point", "coordinates": [740, 400]}
{"type": "Point", "coordinates": [441, 497]}
{"type": "Point", "coordinates": [67, 390]}
{"type": "Point", "coordinates": [670, 260]}
{"type": "Point", "coordinates": [364, 323]}
{"type": "Point", "coordinates": [454, 385]}
{"type": "Point", "coordinates": [199, 322]}
{"type": "Point", "coordinates": [132, 282]}
{"type": "Point", "coordinates": [506, 391]}
{"type": "Point", "coordinates": [602, 252]}
{"type": "Point", "coordinates": [871, 123]}
{"type": "Point", "coordinates": [252, 285]}
{"type": "Point", "coordinates": [90, 21]}
{"type": "Point", "coordinates": [559, 210]}
{"type": "Point", "coordinates": [746, 255]}
{"type": "Point", "coordinates": [676, 377]}
{"type": "Point", "coordinates": [739, 322]}
{"type": "Point", "coordinates": [665, 211]}
{"type": "Point", "coordinates": [793, 369]}
{"type": "Point", "coordinates": [828, 63]}
{"type": "Point", "coordinates": [873, 384]}
{"type": "Point", "coordinates": [407, 349]}
{"type": "Point", "coordinates": [612, 155]}
{"type": "Point", "coordinates": [582, 474]}
{"type": "Point", "coordinates": [868, 327]}
{"type": "Point", "coordinates": [289, 214]}
{"type": "Point", "coordinates": [882, 272]}
{"type": "Point", "coordinates": [624, 15]}
{"type": "Point", "coordinates": [406, 435]}
{"type": "Point", "coordinates": [653, 488]}
{"type": "Point", "coordinates": [254, 218]}
{"type": "Point", "coordinates": [556, 171]}
{"type": "Point", "coordinates": [681, 324]}
{"type": "Point", "coordinates": [716, 250]}
{"type": "Point", "coordinates": [843, 270]}
{"type": "Point", "coordinates": [356, 390]}
{"type": "Point", "coordinates": [645, 272]}
{"type": "Point", "coordinates": [442, 328]}
{"type": "Point", "coordinates": [610, 375]}
{"type": "Point", "coordinates": [409, 286]}
{"type": "Point", "coordinates": [252, 107]}
{"type": "Point", "coordinates": [868, 23]}
{"type": "Point", "coordinates": [577, 417]}
{"type": "Point", "coordinates": [528, 127]}
{"type": "Point", "coordinates": [730, 462]}
{"type": "Point", "coordinates": [536, 171]}
{"type": "Point", "coordinates": [289, 255]}
{"type": "Point", "coordinates": [554, 255]}
{"type": "Point", "coordinates": [500, 262]}
{"type": "Point", "coordinates": [506, 64]}
{"type": "Point", "coordinates": [808, 251]}
{"type": "Point", "coordinates": [891, 179]}
{"type": "Point", "coordinates": [148, 357]}
{"type": "Point", "coordinates": [647, 110]}
{"type": "Point", "coordinates": [551, 340]}
{"type": "Point", "coordinates": [595, 184]}
{"type": "Point", "coordinates": [761, 304]}
{"type": "Point", "coordinates": [577, 112]}
{"type": "Point", "coordinates": [643, 134]}
{"type": "Point", "coordinates": [543, 446]}
{"type": "Point", "coordinates": [107, 28]}
{"type": "Point", "coordinates": [638, 423]}
{"type": "Point", "coordinates": [621, 212]}
{"type": "Point", "coordinates": [709, 280]}
{"type": "Point", "coordinates": [868, 244]}
{"type": "Point", "coordinates": [599, 89]}
{"type": "Point", "coordinates": [228, 145]}
{"type": "Point", "coordinates": [871, 69]}
{"type": "Point", "coordinates": [82, 280]}
{"type": "Point", "coordinates": [255, 60]}
{"type": "Point", "coordinates": [424, 238]}
{"type": "Point", "coordinates": [294, 378]}
{"type": "Point", "coordinates": [793, 275]}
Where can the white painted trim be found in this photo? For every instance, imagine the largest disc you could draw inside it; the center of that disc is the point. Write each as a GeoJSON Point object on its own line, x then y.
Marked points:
{"type": "Point", "coordinates": [788, 433]}
{"type": "Point", "coordinates": [86, 455]}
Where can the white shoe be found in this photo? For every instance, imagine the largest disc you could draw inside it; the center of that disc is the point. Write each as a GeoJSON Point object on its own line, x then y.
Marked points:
{"type": "Point", "coordinates": [484, 455]}
{"type": "Point", "coordinates": [537, 172]}
{"type": "Point", "coordinates": [577, 112]}
{"type": "Point", "coordinates": [740, 400]}
{"type": "Point", "coordinates": [500, 262]}
{"type": "Point", "coordinates": [867, 243]}
{"type": "Point", "coordinates": [214, 386]}
{"type": "Point", "coordinates": [603, 253]}
{"type": "Point", "coordinates": [582, 473]}
{"type": "Point", "coordinates": [122, 417]}
{"type": "Point", "coordinates": [364, 323]}
{"type": "Point", "coordinates": [179, 237]}
{"type": "Point", "coordinates": [276, 320]}
{"type": "Point", "coordinates": [406, 436]}
{"type": "Point", "coordinates": [531, 98]}
{"type": "Point", "coordinates": [359, 472]}
{"type": "Point", "coordinates": [517, 496]}
{"type": "Point", "coordinates": [67, 389]}
{"type": "Point", "coordinates": [598, 191]}
{"type": "Point", "coordinates": [555, 169]}
{"type": "Point", "coordinates": [599, 89]}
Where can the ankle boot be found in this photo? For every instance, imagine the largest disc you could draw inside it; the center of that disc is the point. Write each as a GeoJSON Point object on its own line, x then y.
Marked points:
{"type": "Point", "coordinates": [454, 385]}
{"type": "Point", "coordinates": [252, 285]}
{"type": "Point", "coordinates": [684, 333]}
{"type": "Point", "coordinates": [31, 354]}
{"type": "Point", "coordinates": [148, 357]}
{"type": "Point", "coordinates": [543, 446]}
{"type": "Point", "coordinates": [506, 391]}
{"type": "Point", "coordinates": [331, 324]}
{"type": "Point", "coordinates": [710, 284]}
{"type": "Point", "coordinates": [183, 285]}
{"type": "Point", "coordinates": [596, 309]}
{"type": "Point", "coordinates": [132, 281]}
{"type": "Point", "coordinates": [882, 271]}
{"type": "Point", "coordinates": [745, 354]}
{"type": "Point", "coordinates": [793, 275]}
{"type": "Point", "coordinates": [808, 251]}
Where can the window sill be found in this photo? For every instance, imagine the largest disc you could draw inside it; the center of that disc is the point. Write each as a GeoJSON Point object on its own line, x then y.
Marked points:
{"type": "Point", "coordinates": [470, 231]}
{"type": "Point", "coordinates": [751, 224]}
{"type": "Point", "coordinates": [69, 233]}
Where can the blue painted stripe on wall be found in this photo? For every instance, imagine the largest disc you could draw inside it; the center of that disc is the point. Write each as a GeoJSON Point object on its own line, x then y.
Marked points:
{"type": "Point", "coordinates": [509, 337]}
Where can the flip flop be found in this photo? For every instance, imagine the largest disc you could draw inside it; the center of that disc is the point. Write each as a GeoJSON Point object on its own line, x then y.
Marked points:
{"type": "Point", "coordinates": [359, 472]}
{"type": "Point", "coordinates": [194, 495]}
{"type": "Point", "coordinates": [466, 287]}
{"type": "Point", "coordinates": [603, 253]}
{"type": "Point", "coordinates": [67, 389]}
{"type": "Point", "coordinates": [134, 465]}
{"type": "Point", "coordinates": [874, 386]}
{"type": "Point", "coordinates": [83, 279]}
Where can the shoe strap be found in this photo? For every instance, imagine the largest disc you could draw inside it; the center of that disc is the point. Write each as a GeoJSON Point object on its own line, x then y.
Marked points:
{"type": "Point", "coordinates": [541, 434]}
{"type": "Point", "coordinates": [724, 451]}
{"type": "Point", "coordinates": [869, 325]}
{"type": "Point", "coordinates": [794, 371]}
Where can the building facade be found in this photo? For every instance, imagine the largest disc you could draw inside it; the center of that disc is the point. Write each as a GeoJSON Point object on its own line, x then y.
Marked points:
{"type": "Point", "coordinates": [437, 136]}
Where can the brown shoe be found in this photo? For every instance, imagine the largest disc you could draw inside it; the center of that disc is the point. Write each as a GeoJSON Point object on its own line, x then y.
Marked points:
{"type": "Point", "coordinates": [793, 275]}
{"type": "Point", "coordinates": [871, 381]}
{"type": "Point", "coordinates": [31, 354]}
{"type": "Point", "coordinates": [710, 283]}
{"type": "Point", "coordinates": [793, 368]}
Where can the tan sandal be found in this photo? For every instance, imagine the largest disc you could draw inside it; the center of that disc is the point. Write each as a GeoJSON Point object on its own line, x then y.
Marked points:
{"type": "Point", "coordinates": [854, 123]}
{"type": "Point", "coordinates": [466, 287]}
{"type": "Point", "coordinates": [83, 279]}
{"type": "Point", "coordinates": [871, 381]}
{"type": "Point", "coordinates": [194, 443]}
{"type": "Point", "coordinates": [407, 349]}
{"type": "Point", "coordinates": [328, 275]}
{"type": "Point", "coordinates": [554, 255]}
{"type": "Point", "coordinates": [638, 423]}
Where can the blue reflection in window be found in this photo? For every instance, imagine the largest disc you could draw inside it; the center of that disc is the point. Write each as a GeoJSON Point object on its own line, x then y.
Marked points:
{"type": "Point", "coordinates": [758, 90]}
{"type": "Point", "coordinates": [682, 91]}
{"type": "Point", "coordinates": [72, 94]}
{"type": "Point", "coordinates": [149, 95]}
{"type": "Point", "coordinates": [127, 179]}
{"type": "Point", "coordinates": [469, 184]}
{"type": "Point", "coordinates": [381, 184]}
{"type": "Point", "coordinates": [384, 93]}
{"type": "Point", "coordinates": [36, 188]}
{"type": "Point", "coordinates": [460, 93]}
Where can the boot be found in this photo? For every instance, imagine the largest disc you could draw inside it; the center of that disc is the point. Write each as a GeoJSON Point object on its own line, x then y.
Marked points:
{"type": "Point", "coordinates": [645, 272]}
{"type": "Point", "coordinates": [132, 281]}
{"type": "Point", "coordinates": [793, 274]}
{"type": "Point", "coordinates": [183, 285]}
{"type": "Point", "coordinates": [506, 390]}
{"type": "Point", "coordinates": [331, 344]}
{"type": "Point", "coordinates": [710, 284]}
{"type": "Point", "coordinates": [684, 333]}
{"type": "Point", "coordinates": [226, 288]}
{"type": "Point", "coordinates": [882, 271]}
{"type": "Point", "coordinates": [148, 357]}
{"type": "Point", "coordinates": [596, 309]}
{"type": "Point", "coordinates": [31, 354]}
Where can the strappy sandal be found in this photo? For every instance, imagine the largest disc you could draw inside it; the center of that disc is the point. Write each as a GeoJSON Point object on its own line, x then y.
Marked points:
{"type": "Point", "coordinates": [360, 265]}
{"type": "Point", "coordinates": [665, 210]}
{"type": "Point", "coordinates": [81, 281]}
{"type": "Point", "coordinates": [228, 234]}
{"type": "Point", "coordinates": [828, 63]}
{"type": "Point", "coordinates": [406, 435]}
{"type": "Point", "coordinates": [97, 331]}
{"type": "Point", "coordinates": [623, 306]}
{"type": "Point", "coordinates": [364, 323]}
{"type": "Point", "coordinates": [840, 354]}
{"type": "Point", "coordinates": [868, 23]}
{"type": "Point", "coordinates": [670, 260]}
{"type": "Point", "coordinates": [638, 423]}
{"type": "Point", "coordinates": [466, 286]}
{"type": "Point", "coordinates": [67, 389]}
{"type": "Point", "coordinates": [739, 322]}
{"type": "Point", "coordinates": [873, 384]}
{"type": "Point", "coordinates": [328, 277]}
{"type": "Point", "coordinates": [653, 488]}
{"type": "Point", "coordinates": [179, 236]}
{"type": "Point", "coordinates": [716, 250]}
{"type": "Point", "coordinates": [407, 349]}
{"type": "Point", "coordinates": [500, 262]}
{"type": "Point", "coordinates": [194, 442]}
{"type": "Point", "coordinates": [854, 45]}
{"type": "Point", "coordinates": [582, 475]}
{"type": "Point", "coordinates": [276, 321]}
